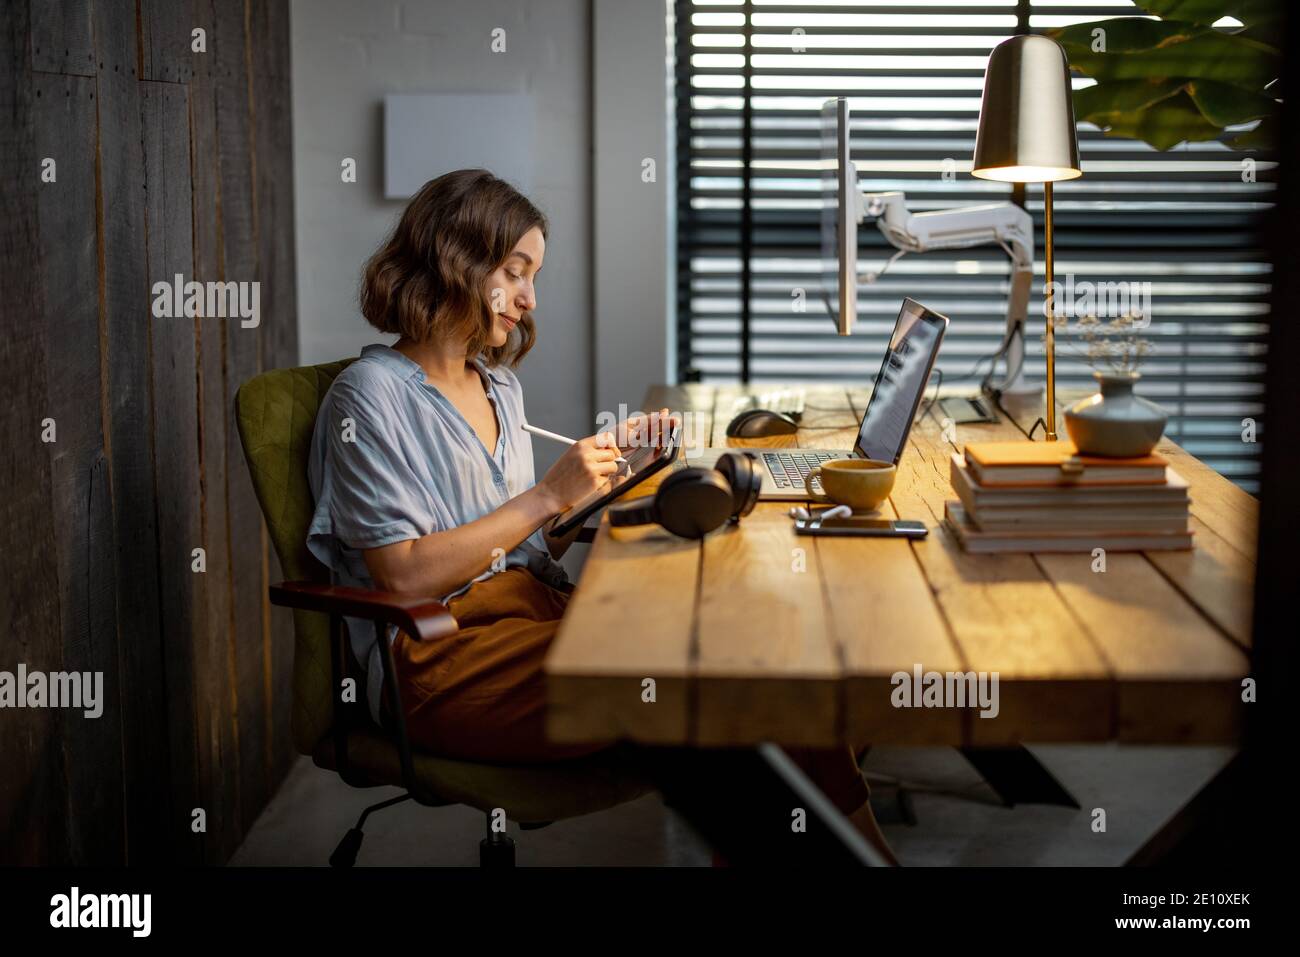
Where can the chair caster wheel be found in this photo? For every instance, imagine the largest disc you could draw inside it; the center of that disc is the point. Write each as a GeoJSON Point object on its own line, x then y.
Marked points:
{"type": "Point", "coordinates": [345, 855]}
{"type": "Point", "coordinates": [496, 852]}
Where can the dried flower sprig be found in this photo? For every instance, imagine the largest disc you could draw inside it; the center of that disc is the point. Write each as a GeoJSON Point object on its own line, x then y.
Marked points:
{"type": "Point", "coordinates": [1113, 346]}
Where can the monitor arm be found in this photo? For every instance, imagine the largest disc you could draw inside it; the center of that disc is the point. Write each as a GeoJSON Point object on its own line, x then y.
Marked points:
{"type": "Point", "coordinates": [1005, 224]}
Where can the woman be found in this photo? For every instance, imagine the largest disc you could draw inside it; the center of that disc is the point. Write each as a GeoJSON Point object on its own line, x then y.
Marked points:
{"type": "Point", "coordinates": [424, 483]}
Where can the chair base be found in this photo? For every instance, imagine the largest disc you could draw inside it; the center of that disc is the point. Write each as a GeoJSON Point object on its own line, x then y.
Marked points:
{"type": "Point", "coordinates": [496, 850]}
{"type": "Point", "coordinates": [345, 855]}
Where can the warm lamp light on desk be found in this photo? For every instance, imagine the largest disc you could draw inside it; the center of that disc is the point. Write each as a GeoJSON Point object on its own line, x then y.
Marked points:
{"type": "Point", "coordinates": [1026, 135]}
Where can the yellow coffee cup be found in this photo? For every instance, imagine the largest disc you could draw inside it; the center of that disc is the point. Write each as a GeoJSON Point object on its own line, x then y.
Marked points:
{"type": "Point", "coordinates": [861, 484]}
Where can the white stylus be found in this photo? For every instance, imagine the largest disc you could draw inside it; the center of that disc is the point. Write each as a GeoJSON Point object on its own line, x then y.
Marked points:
{"type": "Point", "coordinates": [561, 438]}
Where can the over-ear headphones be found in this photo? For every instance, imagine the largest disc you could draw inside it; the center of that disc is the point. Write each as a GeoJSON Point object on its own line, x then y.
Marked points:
{"type": "Point", "coordinates": [692, 502]}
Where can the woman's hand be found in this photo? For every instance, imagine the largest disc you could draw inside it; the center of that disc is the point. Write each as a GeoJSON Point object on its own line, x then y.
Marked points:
{"type": "Point", "coordinates": [584, 467]}
{"type": "Point", "coordinates": [646, 428]}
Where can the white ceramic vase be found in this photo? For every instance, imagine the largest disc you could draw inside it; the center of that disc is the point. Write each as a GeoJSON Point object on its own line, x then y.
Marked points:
{"type": "Point", "coordinates": [1115, 422]}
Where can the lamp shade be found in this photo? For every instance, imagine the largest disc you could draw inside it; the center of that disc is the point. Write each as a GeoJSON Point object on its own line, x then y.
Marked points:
{"type": "Point", "coordinates": [1026, 132]}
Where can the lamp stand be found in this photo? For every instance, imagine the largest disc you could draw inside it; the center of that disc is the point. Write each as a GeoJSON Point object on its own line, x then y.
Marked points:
{"type": "Point", "coordinates": [1050, 418]}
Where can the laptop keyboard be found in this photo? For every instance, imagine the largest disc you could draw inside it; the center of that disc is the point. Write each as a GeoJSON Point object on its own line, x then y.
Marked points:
{"type": "Point", "coordinates": [790, 469]}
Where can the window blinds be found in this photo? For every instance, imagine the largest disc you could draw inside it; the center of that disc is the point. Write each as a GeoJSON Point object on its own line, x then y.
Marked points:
{"type": "Point", "coordinates": [751, 78]}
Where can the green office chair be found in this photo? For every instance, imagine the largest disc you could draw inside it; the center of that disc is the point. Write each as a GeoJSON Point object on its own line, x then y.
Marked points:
{"type": "Point", "coordinates": [276, 412]}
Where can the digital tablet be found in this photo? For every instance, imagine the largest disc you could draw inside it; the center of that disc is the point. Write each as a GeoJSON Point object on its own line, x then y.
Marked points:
{"type": "Point", "coordinates": [642, 462]}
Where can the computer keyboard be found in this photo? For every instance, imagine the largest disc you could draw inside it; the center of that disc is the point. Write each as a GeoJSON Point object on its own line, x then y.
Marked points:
{"type": "Point", "coordinates": [786, 401]}
{"type": "Point", "coordinates": [790, 469]}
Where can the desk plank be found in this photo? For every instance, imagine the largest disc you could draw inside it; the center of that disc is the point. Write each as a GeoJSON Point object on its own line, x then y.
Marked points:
{"type": "Point", "coordinates": [630, 620]}
{"type": "Point", "coordinates": [1233, 514]}
{"type": "Point", "coordinates": [1180, 680]}
{"type": "Point", "coordinates": [1161, 650]}
{"type": "Point", "coordinates": [1006, 617]}
{"type": "Point", "coordinates": [882, 614]}
{"type": "Point", "coordinates": [883, 619]}
{"type": "Point", "coordinates": [765, 667]}
{"type": "Point", "coordinates": [1217, 576]}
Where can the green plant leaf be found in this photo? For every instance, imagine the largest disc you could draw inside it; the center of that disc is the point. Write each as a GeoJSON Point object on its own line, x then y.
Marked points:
{"type": "Point", "coordinates": [1122, 35]}
{"type": "Point", "coordinates": [1206, 56]}
{"type": "Point", "coordinates": [1264, 31]}
{"type": "Point", "coordinates": [1225, 105]}
{"type": "Point", "coordinates": [1260, 15]}
{"type": "Point", "coordinates": [1166, 124]}
{"type": "Point", "coordinates": [1191, 11]}
{"type": "Point", "coordinates": [1121, 96]}
{"type": "Point", "coordinates": [1177, 79]}
{"type": "Point", "coordinates": [1251, 13]}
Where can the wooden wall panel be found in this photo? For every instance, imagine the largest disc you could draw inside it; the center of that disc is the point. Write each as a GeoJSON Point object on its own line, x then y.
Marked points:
{"type": "Point", "coordinates": [164, 112]}
{"type": "Point", "coordinates": [218, 746]}
{"type": "Point", "coordinates": [269, 42]}
{"type": "Point", "coordinates": [166, 40]}
{"type": "Point", "coordinates": [62, 38]}
{"type": "Point", "coordinates": [166, 166]}
{"type": "Point", "coordinates": [129, 417]}
{"type": "Point", "coordinates": [68, 251]}
{"type": "Point", "coordinates": [30, 748]}
{"type": "Point", "coordinates": [243, 361]}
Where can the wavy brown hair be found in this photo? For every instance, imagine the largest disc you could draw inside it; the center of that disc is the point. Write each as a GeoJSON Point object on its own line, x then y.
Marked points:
{"type": "Point", "coordinates": [428, 280]}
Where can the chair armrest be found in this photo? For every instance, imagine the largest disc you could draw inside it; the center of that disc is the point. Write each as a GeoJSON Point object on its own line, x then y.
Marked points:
{"type": "Point", "coordinates": [422, 618]}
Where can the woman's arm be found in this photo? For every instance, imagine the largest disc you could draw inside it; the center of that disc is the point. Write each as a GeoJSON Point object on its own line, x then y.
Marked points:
{"type": "Point", "coordinates": [440, 562]}
{"type": "Point", "coordinates": [558, 545]}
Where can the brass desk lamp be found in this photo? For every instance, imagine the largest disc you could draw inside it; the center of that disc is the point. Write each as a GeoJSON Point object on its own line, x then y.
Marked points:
{"type": "Point", "coordinates": [1026, 135]}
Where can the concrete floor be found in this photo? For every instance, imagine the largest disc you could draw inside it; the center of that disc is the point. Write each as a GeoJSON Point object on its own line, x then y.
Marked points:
{"type": "Point", "coordinates": [958, 820]}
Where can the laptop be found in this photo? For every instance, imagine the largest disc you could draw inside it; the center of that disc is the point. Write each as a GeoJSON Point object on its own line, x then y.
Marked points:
{"type": "Point", "coordinates": [886, 421]}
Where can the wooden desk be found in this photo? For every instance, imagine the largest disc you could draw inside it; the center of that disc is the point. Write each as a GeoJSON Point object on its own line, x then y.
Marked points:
{"type": "Point", "coordinates": [757, 635]}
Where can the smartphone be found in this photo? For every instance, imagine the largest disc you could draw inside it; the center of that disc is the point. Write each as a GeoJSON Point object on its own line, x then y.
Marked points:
{"type": "Point", "coordinates": [854, 526]}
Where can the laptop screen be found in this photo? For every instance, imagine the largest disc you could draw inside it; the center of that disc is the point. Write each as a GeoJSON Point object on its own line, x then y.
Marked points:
{"type": "Point", "coordinates": [900, 382]}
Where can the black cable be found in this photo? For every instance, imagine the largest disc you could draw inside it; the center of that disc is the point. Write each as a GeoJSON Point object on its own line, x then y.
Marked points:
{"type": "Point", "coordinates": [978, 362]}
{"type": "Point", "coordinates": [997, 401]}
{"type": "Point", "coordinates": [997, 354]}
{"type": "Point", "coordinates": [1002, 349]}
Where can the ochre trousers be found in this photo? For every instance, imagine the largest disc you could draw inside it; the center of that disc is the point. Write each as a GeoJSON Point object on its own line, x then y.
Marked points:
{"type": "Point", "coordinates": [480, 694]}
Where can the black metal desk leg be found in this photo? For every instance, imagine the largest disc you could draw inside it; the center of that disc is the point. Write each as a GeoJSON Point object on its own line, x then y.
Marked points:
{"type": "Point", "coordinates": [746, 801]}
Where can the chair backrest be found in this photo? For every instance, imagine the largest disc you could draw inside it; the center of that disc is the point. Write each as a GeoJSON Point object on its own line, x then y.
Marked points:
{"type": "Point", "coordinates": [276, 413]}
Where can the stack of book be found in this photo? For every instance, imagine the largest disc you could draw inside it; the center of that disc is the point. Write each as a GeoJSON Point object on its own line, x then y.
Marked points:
{"type": "Point", "coordinates": [1045, 497]}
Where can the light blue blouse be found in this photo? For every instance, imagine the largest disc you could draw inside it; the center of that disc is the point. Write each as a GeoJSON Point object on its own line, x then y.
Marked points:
{"type": "Point", "coordinates": [392, 459]}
